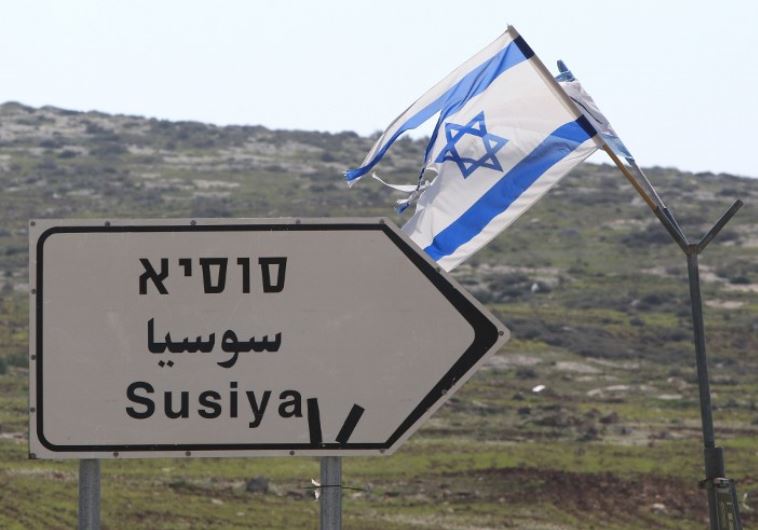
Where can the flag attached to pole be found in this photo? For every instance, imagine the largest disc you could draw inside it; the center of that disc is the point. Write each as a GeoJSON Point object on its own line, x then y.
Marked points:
{"type": "Point", "coordinates": [576, 93]}
{"type": "Point", "coordinates": [584, 102]}
{"type": "Point", "coordinates": [505, 134]}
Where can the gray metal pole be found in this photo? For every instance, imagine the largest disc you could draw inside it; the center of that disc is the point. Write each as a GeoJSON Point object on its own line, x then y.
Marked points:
{"type": "Point", "coordinates": [723, 506]}
{"type": "Point", "coordinates": [331, 493]}
{"type": "Point", "coordinates": [89, 494]}
{"type": "Point", "coordinates": [714, 456]}
{"type": "Point", "coordinates": [700, 356]}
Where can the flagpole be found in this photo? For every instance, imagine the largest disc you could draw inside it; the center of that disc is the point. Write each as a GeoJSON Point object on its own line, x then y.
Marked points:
{"type": "Point", "coordinates": [649, 184]}
{"type": "Point", "coordinates": [657, 207]}
{"type": "Point", "coordinates": [664, 215]}
{"type": "Point", "coordinates": [632, 180]}
{"type": "Point", "coordinates": [723, 506]}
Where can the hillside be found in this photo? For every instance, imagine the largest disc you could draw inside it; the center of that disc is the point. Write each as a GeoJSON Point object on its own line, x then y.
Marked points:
{"type": "Point", "coordinates": [590, 284]}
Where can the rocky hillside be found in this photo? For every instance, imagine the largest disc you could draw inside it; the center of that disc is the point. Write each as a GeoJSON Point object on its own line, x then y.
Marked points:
{"type": "Point", "coordinates": [590, 244]}
{"type": "Point", "coordinates": [596, 389]}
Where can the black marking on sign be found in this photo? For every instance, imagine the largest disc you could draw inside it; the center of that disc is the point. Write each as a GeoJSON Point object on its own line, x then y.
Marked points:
{"type": "Point", "coordinates": [314, 422]}
{"type": "Point", "coordinates": [349, 426]}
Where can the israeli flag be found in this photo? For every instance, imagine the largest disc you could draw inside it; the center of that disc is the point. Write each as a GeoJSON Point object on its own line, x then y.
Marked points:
{"type": "Point", "coordinates": [505, 134]}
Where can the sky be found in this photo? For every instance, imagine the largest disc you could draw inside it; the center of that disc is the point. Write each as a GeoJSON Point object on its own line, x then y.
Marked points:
{"type": "Point", "coordinates": [677, 79]}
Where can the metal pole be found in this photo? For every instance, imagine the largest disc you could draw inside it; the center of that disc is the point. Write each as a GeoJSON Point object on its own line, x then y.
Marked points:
{"type": "Point", "coordinates": [632, 180]}
{"type": "Point", "coordinates": [89, 494]}
{"type": "Point", "coordinates": [723, 506]}
{"type": "Point", "coordinates": [714, 456]}
{"type": "Point", "coordinates": [331, 493]}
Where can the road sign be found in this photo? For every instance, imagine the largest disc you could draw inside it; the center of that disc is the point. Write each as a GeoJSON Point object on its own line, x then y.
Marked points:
{"type": "Point", "coordinates": [241, 337]}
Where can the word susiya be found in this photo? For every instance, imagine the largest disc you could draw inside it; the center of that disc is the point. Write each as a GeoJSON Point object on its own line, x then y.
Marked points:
{"type": "Point", "coordinates": [142, 394]}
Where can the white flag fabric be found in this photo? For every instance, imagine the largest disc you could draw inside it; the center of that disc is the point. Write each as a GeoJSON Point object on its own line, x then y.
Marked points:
{"type": "Point", "coordinates": [505, 134]}
{"type": "Point", "coordinates": [584, 102]}
{"type": "Point", "coordinates": [587, 106]}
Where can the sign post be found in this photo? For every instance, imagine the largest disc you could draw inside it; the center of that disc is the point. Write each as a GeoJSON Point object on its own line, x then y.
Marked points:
{"type": "Point", "coordinates": [331, 493]}
{"type": "Point", "coordinates": [89, 494]}
{"type": "Point", "coordinates": [723, 511]}
{"type": "Point", "coordinates": [723, 508]}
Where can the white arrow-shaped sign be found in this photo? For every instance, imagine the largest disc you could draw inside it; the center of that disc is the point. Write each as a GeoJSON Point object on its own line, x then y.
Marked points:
{"type": "Point", "coordinates": [241, 337]}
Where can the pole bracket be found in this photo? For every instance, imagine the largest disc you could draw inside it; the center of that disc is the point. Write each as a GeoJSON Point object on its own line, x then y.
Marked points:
{"type": "Point", "coordinates": [725, 503]}
{"type": "Point", "coordinates": [725, 218]}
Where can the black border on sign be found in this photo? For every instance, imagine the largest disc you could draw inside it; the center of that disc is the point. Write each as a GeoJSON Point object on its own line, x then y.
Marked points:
{"type": "Point", "coordinates": [485, 335]}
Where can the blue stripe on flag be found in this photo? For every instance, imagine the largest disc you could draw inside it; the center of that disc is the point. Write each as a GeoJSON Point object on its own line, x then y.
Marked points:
{"type": "Point", "coordinates": [502, 194]}
{"type": "Point", "coordinates": [472, 84]}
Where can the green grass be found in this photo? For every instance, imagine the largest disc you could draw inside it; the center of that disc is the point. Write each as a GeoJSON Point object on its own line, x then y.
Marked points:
{"type": "Point", "coordinates": [497, 455]}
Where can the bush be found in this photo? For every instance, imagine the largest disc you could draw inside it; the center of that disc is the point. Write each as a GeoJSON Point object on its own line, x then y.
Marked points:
{"type": "Point", "coordinates": [526, 373]}
{"type": "Point", "coordinates": [653, 236]}
{"type": "Point", "coordinates": [50, 144]}
{"type": "Point", "coordinates": [211, 207]}
{"type": "Point", "coordinates": [94, 128]}
{"type": "Point", "coordinates": [17, 359]}
{"type": "Point", "coordinates": [67, 153]}
{"type": "Point", "coordinates": [109, 149]}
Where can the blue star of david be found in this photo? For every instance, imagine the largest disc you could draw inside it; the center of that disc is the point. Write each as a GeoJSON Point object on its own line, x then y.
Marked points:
{"type": "Point", "coordinates": [476, 127]}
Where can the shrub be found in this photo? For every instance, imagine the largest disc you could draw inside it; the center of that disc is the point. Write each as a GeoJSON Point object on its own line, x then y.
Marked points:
{"type": "Point", "coordinates": [653, 236]}
{"type": "Point", "coordinates": [17, 359]}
